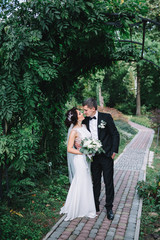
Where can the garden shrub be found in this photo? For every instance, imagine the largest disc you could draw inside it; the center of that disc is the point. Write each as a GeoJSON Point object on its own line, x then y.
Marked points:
{"type": "Point", "coordinates": [150, 191]}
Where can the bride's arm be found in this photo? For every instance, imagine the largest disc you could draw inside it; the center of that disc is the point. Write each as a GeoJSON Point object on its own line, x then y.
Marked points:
{"type": "Point", "coordinates": [70, 145]}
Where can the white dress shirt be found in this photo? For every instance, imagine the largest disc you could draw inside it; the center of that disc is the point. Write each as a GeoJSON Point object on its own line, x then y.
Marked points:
{"type": "Point", "coordinates": [93, 126]}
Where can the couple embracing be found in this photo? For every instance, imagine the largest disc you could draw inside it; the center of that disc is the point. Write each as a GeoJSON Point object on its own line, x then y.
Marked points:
{"type": "Point", "coordinates": [83, 197]}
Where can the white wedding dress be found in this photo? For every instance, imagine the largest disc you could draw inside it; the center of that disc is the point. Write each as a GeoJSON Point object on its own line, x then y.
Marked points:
{"type": "Point", "coordinates": [80, 199]}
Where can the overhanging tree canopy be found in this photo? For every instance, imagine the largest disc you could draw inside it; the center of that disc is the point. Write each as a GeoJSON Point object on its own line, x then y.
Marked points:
{"type": "Point", "coordinates": [44, 47]}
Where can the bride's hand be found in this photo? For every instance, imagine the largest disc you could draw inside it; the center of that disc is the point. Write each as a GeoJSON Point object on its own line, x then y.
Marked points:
{"type": "Point", "coordinates": [77, 145]}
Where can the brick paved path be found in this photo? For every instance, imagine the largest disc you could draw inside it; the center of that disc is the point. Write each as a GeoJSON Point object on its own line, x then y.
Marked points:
{"type": "Point", "coordinates": [129, 168]}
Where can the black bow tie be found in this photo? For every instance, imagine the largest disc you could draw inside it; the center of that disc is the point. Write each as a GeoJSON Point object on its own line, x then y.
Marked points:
{"type": "Point", "coordinates": [90, 118]}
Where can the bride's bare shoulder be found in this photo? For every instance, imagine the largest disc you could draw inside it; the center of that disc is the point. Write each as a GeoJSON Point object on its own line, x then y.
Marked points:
{"type": "Point", "coordinates": [74, 131]}
{"type": "Point", "coordinates": [73, 134]}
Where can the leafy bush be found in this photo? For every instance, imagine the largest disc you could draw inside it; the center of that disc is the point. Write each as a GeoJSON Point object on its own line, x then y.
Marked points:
{"type": "Point", "coordinates": [150, 191]}
{"type": "Point", "coordinates": [144, 110]}
{"type": "Point", "coordinates": [33, 214]}
{"type": "Point", "coordinates": [126, 108]}
{"type": "Point", "coordinates": [150, 218]}
{"type": "Point", "coordinates": [155, 118]}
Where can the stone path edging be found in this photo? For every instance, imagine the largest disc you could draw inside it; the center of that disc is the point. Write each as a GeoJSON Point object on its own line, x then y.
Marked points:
{"type": "Point", "coordinates": [54, 228]}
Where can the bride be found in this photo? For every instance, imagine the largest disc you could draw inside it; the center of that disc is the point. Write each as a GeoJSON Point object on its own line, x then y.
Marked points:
{"type": "Point", "coordinates": [80, 199]}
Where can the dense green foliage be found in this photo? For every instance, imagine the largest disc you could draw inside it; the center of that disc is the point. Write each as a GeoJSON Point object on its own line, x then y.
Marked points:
{"type": "Point", "coordinates": [150, 191]}
{"type": "Point", "coordinates": [45, 47]}
{"type": "Point", "coordinates": [150, 74]}
{"type": "Point", "coordinates": [119, 85]}
{"type": "Point", "coordinates": [34, 213]}
{"type": "Point", "coordinates": [50, 52]}
{"type": "Point", "coordinates": [40, 60]}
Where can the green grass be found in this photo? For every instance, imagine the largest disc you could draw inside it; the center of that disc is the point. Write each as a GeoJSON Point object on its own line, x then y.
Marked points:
{"type": "Point", "coordinates": [126, 134]}
{"type": "Point", "coordinates": [142, 120]}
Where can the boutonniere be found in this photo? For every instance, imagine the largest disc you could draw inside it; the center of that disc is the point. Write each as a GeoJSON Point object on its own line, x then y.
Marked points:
{"type": "Point", "coordinates": [102, 124]}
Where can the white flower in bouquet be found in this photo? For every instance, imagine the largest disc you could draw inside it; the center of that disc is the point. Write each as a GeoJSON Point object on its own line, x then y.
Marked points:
{"type": "Point", "coordinates": [90, 147]}
{"type": "Point", "coordinates": [87, 144]}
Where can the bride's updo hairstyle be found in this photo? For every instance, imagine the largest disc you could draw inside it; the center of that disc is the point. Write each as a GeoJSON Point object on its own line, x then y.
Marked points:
{"type": "Point", "coordinates": [71, 117]}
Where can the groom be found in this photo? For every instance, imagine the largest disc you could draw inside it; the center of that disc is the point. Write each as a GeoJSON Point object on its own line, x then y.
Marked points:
{"type": "Point", "coordinates": [102, 127]}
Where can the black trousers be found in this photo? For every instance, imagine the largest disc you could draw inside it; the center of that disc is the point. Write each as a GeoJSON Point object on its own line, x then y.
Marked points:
{"type": "Point", "coordinates": [102, 164]}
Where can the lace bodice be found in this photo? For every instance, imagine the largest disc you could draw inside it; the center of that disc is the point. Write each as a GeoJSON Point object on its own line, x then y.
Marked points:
{"type": "Point", "coordinates": [82, 133]}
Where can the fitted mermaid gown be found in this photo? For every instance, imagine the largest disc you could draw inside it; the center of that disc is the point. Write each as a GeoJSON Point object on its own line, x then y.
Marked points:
{"type": "Point", "coordinates": [80, 199]}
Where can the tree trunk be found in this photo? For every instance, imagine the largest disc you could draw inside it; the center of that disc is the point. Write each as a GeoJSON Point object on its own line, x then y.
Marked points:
{"type": "Point", "coordinates": [138, 98]}
{"type": "Point", "coordinates": [100, 100]}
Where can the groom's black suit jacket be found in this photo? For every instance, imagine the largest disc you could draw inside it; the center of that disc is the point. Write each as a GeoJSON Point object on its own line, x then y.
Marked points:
{"type": "Point", "coordinates": [109, 135]}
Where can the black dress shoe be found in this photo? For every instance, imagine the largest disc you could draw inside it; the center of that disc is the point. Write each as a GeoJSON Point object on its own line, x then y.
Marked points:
{"type": "Point", "coordinates": [110, 214]}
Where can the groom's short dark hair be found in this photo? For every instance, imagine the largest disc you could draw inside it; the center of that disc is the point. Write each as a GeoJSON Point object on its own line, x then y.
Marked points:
{"type": "Point", "coordinates": [90, 102]}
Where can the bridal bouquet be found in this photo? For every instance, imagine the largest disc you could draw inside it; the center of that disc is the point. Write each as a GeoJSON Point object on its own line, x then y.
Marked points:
{"type": "Point", "coordinates": [90, 147]}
